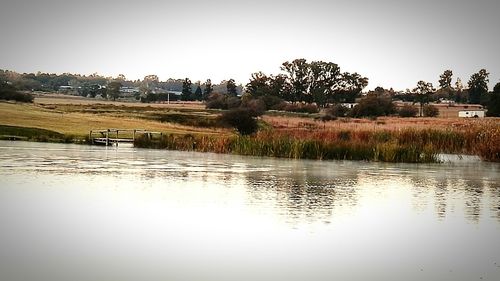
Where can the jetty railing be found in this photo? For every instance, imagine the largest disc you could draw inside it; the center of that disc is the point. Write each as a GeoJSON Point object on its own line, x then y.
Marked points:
{"type": "Point", "coordinates": [115, 136]}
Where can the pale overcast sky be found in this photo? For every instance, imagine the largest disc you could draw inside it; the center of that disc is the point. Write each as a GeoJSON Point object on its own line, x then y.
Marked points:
{"type": "Point", "coordinates": [395, 43]}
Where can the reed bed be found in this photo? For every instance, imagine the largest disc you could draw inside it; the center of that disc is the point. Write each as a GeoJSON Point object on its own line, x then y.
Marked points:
{"type": "Point", "coordinates": [411, 145]}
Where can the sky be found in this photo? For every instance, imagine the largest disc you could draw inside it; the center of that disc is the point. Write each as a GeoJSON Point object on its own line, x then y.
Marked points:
{"type": "Point", "coordinates": [395, 43]}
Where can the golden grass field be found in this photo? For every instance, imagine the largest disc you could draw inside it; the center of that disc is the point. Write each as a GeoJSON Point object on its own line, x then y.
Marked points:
{"type": "Point", "coordinates": [65, 116]}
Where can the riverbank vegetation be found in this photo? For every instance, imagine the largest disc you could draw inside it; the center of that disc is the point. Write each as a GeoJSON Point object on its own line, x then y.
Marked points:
{"type": "Point", "coordinates": [407, 145]}
{"type": "Point", "coordinates": [311, 110]}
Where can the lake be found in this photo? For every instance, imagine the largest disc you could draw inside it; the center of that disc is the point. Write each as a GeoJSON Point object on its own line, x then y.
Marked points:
{"type": "Point", "coordinates": [75, 212]}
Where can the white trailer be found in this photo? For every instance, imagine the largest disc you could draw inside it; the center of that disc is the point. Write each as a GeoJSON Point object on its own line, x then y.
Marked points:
{"type": "Point", "coordinates": [471, 113]}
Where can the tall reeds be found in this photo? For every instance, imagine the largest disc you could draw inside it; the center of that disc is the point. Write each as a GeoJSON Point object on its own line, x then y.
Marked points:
{"type": "Point", "coordinates": [407, 145]}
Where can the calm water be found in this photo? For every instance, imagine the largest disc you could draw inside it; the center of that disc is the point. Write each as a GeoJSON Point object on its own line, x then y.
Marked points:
{"type": "Point", "coordinates": [70, 212]}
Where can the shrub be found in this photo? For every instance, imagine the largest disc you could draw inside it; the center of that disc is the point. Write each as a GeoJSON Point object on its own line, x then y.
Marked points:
{"type": "Point", "coordinates": [281, 106]}
{"type": "Point", "coordinates": [337, 110]}
{"type": "Point", "coordinates": [408, 111]}
{"type": "Point", "coordinates": [216, 101]}
{"type": "Point", "coordinates": [241, 119]}
{"type": "Point", "coordinates": [271, 101]}
{"type": "Point", "coordinates": [430, 110]}
{"type": "Point", "coordinates": [302, 108]}
{"type": "Point", "coordinates": [8, 92]}
{"type": "Point", "coordinates": [372, 106]}
{"type": "Point", "coordinates": [494, 103]}
{"type": "Point", "coordinates": [232, 102]}
{"type": "Point", "coordinates": [257, 107]}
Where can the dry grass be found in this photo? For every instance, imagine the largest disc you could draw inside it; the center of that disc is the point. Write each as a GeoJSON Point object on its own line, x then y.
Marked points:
{"type": "Point", "coordinates": [381, 123]}
{"type": "Point", "coordinates": [77, 123]}
{"type": "Point", "coordinates": [59, 99]}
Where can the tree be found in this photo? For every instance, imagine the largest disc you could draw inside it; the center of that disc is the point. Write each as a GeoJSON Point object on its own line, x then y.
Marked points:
{"type": "Point", "coordinates": [208, 89]}
{"type": "Point", "coordinates": [496, 89]}
{"type": "Point", "coordinates": [422, 93]}
{"type": "Point", "coordinates": [231, 88]}
{"type": "Point", "coordinates": [351, 86]}
{"type": "Point", "coordinates": [186, 89]}
{"type": "Point", "coordinates": [494, 103]}
{"type": "Point", "coordinates": [445, 79]}
{"type": "Point", "coordinates": [279, 87]}
{"type": "Point", "coordinates": [198, 92]}
{"type": "Point", "coordinates": [148, 84]}
{"type": "Point", "coordinates": [297, 71]}
{"type": "Point", "coordinates": [113, 89]}
{"type": "Point", "coordinates": [478, 85]}
{"type": "Point", "coordinates": [259, 85]}
{"type": "Point", "coordinates": [459, 90]}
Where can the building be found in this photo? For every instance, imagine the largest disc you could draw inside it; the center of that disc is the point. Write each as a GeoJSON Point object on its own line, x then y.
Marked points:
{"type": "Point", "coordinates": [471, 113]}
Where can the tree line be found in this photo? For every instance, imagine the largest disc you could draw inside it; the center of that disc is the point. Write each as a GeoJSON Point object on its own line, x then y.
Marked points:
{"type": "Point", "coordinates": [300, 82]}
{"type": "Point", "coordinates": [308, 82]}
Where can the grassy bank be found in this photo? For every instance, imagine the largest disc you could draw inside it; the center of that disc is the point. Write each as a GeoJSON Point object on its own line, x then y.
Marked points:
{"type": "Point", "coordinates": [386, 139]}
{"type": "Point", "coordinates": [35, 134]}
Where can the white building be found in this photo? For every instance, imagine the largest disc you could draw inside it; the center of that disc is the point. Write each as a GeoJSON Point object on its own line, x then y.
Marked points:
{"type": "Point", "coordinates": [471, 113]}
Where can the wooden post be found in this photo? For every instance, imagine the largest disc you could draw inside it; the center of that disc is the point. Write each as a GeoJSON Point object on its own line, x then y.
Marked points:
{"type": "Point", "coordinates": [107, 137]}
{"type": "Point", "coordinates": [90, 137]}
{"type": "Point", "coordinates": [133, 136]}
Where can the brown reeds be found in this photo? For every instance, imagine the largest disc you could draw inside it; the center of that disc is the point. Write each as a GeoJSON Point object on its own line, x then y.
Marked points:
{"type": "Point", "coordinates": [406, 145]}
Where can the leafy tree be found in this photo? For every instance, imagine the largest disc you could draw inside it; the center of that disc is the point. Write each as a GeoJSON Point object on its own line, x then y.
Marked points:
{"type": "Point", "coordinates": [279, 87]}
{"type": "Point", "coordinates": [113, 89]}
{"type": "Point", "coordinates": [231, 88]}
{"type": "Point", "coordinates": [494, 103]}
{"type": "Point", "coordinates": [259, 85]}
{"type": "Point", "coordinates": [198, 93]}
{"type": "Point", "coordinates": [459, 94]}
{"type": "Point", "coordinates": [422, 93]}
{"type": "Point", "coordinates": [445, 79]}
{"type": "Point", "coordinates": [186, 89]}
{"type": "Point", "coordinates": [298, 76]}
{"type": "Point", "coordinates": [351, 86]}
{"type": "Point", "coordinates": [208, 89]}
{"type": "Point", "coordinates": [478, 86]}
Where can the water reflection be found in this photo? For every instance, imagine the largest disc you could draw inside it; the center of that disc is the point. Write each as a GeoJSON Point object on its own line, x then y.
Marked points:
{"type": "Point", "coordinates": [298, 191]}
{"type": "Point", "coordinates": [304, 191]}
{"type": "Point", "coordinates": [89, 209]}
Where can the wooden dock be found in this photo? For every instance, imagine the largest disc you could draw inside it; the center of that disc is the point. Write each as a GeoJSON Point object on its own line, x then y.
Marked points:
{"type": "Point", "coordinates": [115, 136]}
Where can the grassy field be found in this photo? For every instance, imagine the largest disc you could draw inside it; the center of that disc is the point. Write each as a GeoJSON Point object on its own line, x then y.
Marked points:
{"type": "Point", "coordinates": [78, 119]}
{"type": "Point", "coordinates": [188, 126]}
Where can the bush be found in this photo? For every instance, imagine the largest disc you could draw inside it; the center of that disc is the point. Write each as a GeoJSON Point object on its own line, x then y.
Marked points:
{"type": "Point", "coordinates": [373, 106]}
{"type": "Point", "coordinates": [430, 110]}
{"type": "Point", "coordinates": [8, 92]}
{"type": "Point", "coordinates": [337, 110]}
{"type": "Point", "coordinates": [241, 119]}
{"type": "Point", "coordinates": [494, 104]}
{"type": "Point", "coordinates": [216, 101]}
{"type": "Point", "coordinates": [408, 111]}
{"type": "Point", "coordinates": [302, 108]}
{"type": "Point", "coordinates": [271, 101]}
{"type": "Point", "coordinates": [232, 102]}
{"type": "Point", "coordinates": [257, 107]}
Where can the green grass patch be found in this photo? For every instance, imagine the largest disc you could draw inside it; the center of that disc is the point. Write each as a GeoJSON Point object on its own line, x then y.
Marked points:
{"type": "Point", "coordinates": [33, 134]}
